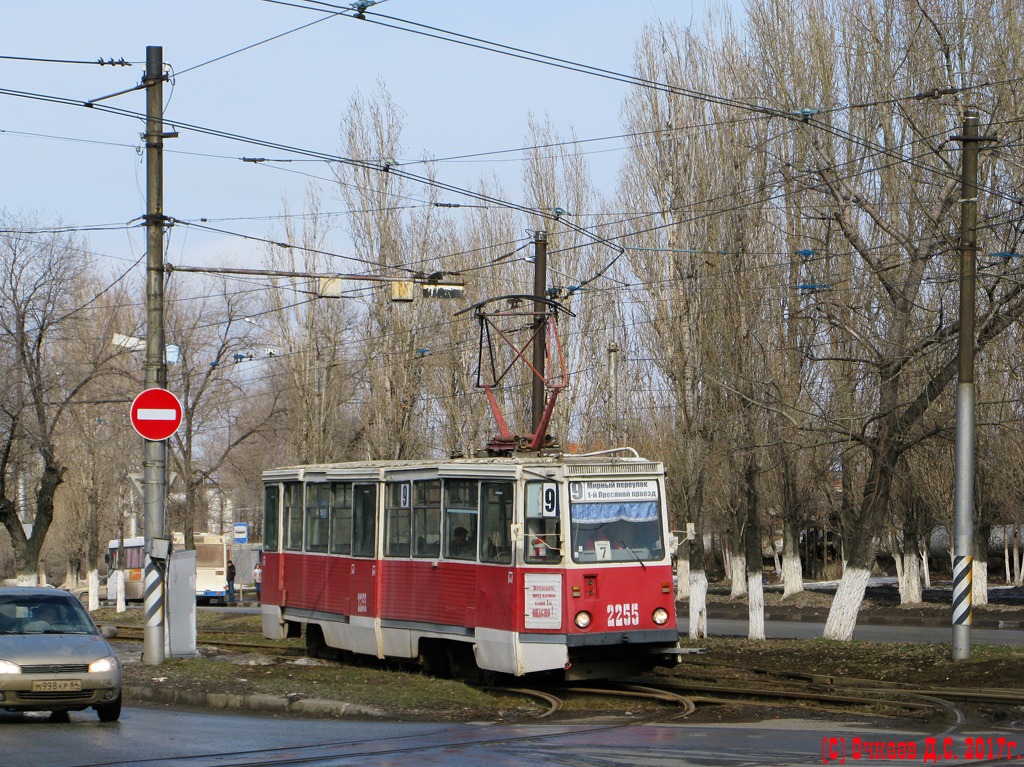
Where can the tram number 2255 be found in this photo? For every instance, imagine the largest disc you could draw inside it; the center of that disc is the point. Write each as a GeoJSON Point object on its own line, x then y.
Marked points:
{"type": "Point", "coordinates": [623, 615]}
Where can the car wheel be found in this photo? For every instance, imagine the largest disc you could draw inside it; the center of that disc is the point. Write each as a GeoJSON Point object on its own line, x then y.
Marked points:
{"type": "Point", "coordinates": [109, 712]}
{"type": "Point", "coordinates": [84, 599]}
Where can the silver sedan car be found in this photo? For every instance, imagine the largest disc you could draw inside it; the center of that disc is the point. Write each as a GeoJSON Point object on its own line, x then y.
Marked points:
{"type": "Point", "coordinates": [52, 656]}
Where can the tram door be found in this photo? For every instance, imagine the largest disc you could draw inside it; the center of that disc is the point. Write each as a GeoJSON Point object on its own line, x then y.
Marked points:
{"type": "Point", "coordinates": [496, 592]}
{"type": "Point", "coordinates": [363, 595]}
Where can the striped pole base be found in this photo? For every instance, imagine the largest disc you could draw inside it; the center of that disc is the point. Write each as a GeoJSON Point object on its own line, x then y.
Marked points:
{"type": "Point", "coordinates": [153, 604]}
{"type": "Point", "coordinates": [962, 607]}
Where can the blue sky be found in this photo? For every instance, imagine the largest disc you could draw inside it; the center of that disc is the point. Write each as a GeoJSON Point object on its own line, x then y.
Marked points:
{"type": "Point", "coordinates": [293, 90]}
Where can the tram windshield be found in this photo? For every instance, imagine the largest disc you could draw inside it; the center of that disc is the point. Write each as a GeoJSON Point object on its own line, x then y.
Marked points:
{"type": "Point", "coordinates": [616, 521]}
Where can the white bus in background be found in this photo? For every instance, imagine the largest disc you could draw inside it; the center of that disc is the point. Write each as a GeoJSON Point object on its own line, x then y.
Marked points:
{"type": "Point", "coordinates": [131, 561]}
{"type": "Point", "coordinates": [212, 555]}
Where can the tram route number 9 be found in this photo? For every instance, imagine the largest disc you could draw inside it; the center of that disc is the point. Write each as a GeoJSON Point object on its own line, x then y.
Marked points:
{"type": "Point", "coordinates": [623, 615]}
{"type": "Point", "coordinates": [549, 499]}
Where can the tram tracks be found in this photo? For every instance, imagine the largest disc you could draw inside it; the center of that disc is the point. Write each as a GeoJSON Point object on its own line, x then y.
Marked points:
{"type": "Point", "coordinates": [553, 696]}
{"type": "Point", "coordinates": [855, 685]}
{"type": "Point", "coordinates": [700, 682]}
{"type": "Point", "coordinates": [216, 637]}
{"type": "Point", "coordinates": [874, 697]}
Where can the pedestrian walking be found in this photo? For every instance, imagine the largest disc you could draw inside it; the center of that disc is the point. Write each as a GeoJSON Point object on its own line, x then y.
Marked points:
{"type": "Point", "coordinates": [257, 578]}
{"type": "Point", "coordinates": [231, 581]}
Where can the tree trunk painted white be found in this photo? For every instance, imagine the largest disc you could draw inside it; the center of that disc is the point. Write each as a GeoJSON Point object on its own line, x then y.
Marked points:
{"type": "Point", "coordinates": [698, 604]}
{"type": "Point", "coordinates": [27, 579]}
{"type": "Point", "coordinates": [738, 571]}
{"type": "Point", "coordinates": [1006, 554]}
{"type": "Point", "coordinates": [118, 590]}
{"type": "Point", "coordinates": [683, 572]}
{"type": "Point", "coordinates": [842, 617]}
{"type": "Point", "coordinates": [1018, 571]}
{"type": "Point", "coordinates": [979, 582]}
{"type": "Point", "coordinates": [755, 606]}
{"type": "Point", "coordinates": [792, 569]}
{"type": "Point", "coordinates": [911, 594]}
{"type": "Point", "coordinates": [926, 566]}
{"type": "Point", "coordinates": [897, 557]}
{"type": "Point", "coordinates": [92, 580]}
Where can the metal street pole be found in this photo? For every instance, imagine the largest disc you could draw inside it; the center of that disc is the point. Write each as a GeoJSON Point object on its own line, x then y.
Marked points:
{"type": "Point", "coordinates": [154, 455]}
{"type": "Point", "coordinates": [963, 502]}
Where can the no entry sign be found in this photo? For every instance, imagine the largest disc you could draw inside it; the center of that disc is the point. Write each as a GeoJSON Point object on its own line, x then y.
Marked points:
{"type": "Point", "coordinates": [156, 414]}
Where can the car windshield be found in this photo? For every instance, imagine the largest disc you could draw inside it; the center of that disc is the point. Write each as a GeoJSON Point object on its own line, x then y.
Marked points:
{"type": "Point", "coordinates": [43, 614]}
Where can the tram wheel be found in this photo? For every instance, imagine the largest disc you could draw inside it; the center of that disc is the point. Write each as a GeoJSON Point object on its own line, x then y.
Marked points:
{"type": "Point", "coordinates": [434, 659]}
{"type": "Point", "coordinates": [462, 664]}
{"type": "Point", "coordinates": [316, 645]}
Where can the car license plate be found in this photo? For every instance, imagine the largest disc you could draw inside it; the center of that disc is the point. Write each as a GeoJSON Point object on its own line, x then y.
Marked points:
{"type": "Point", "coordinates": [58, 685]}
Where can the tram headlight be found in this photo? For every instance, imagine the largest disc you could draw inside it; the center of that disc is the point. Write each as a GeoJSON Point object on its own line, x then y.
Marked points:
{"type": "Point", "coordinates": [660, 616]}
{"type": "Point", "coordinates": [582, 619]}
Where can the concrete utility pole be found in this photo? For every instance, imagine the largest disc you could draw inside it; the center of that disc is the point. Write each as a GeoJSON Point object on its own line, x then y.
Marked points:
{"type": "Point", "coordinates": [154, 455]}
{"type": "Point", "coordinates": [963, 502]}
{"type": "Point", "coordinates": [540, 289]}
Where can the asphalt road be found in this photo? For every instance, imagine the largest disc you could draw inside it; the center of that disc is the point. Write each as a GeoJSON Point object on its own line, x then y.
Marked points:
{"type": "Point", "coordinates": [159, 736]}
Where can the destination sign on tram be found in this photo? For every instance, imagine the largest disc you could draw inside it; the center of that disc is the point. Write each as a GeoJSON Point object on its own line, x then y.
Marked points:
{"type": "Point", "coordinates": [617, 491]}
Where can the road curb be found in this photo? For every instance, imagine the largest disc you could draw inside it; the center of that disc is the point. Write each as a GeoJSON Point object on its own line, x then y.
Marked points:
{"type": "Point", "coordinates": [278, 704]}
{"type": "Point", "coordinates": [874, 620]}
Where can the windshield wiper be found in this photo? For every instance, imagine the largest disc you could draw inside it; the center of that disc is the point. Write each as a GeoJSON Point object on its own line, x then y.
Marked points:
{"type": "Point", "coordinates": [635, 555]}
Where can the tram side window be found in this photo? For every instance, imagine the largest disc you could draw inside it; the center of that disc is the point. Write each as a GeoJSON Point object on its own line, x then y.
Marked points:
{"type": "Point", "coordinates": [364, 520]}
{"type": "Point", "coordinates": [543, 541]}
{"type": "Point", "coordinates": [341, 518]}
{"type": "Point", "coordinates": [271, 516]}
{"type": "Point", "coordinates": [496, 522]}
{"type": "Point", "coordinates": [318, 499]}
{"type": "Point", "coordinates": [426, 518]}
{"type": "Point", "coordinates": [397, 519]}
{"type": "Point", "coordinates": [461, 499]}
{"type": "Point", "coordinates": [293, 516]}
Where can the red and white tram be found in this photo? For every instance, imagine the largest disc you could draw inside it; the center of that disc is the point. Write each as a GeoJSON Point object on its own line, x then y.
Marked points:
{"type": "Point", "coordinates": [523, 564]}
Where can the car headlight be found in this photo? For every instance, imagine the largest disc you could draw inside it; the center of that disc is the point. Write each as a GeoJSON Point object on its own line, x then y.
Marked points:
{"type": "Point", "coordinates": [102, 666]}
{"type": "Point", "coordinates": [659, 616]}
{"type": "Point", "coordinates": [582, 619]}
{"type": "Point", "coordinates": [6, 667]}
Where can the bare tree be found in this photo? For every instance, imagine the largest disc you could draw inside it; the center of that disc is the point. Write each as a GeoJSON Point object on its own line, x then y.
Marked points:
{"type": "Point", "coordinates": [394, 243]}
{"type": "Point", "coordinates": [208, 330]}
{"type": "Point", "coordinates": [312, 337]}
{"type": "Point", "coordinates": [50, 362]}
{"type": "Point", "coordinates": [888, 181]}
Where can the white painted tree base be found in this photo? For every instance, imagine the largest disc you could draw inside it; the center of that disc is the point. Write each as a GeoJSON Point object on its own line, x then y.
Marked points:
{"type": "Point", "coordinates": [698, 604]}
{"type": "Point", "coordinates": [910, 580]}
{"type": "Point", "coordinates": [842, 617]}
{"type": "Point", "coordinates": [755, 606]}
{"type": "Point", "coordinates": [92, 579]}
{"type": "Point", "coordinates": [738, 587]}
{"type": "Point", "coordinates": [682, 578]}
{"type": "Point", "coordinates": [792, 574]}
{"type": "Point", "coordinates": [979, 582]}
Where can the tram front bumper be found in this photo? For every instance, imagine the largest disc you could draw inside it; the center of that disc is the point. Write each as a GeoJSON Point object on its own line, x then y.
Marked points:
{"type": "Point", "coordinates": [640, 637]}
